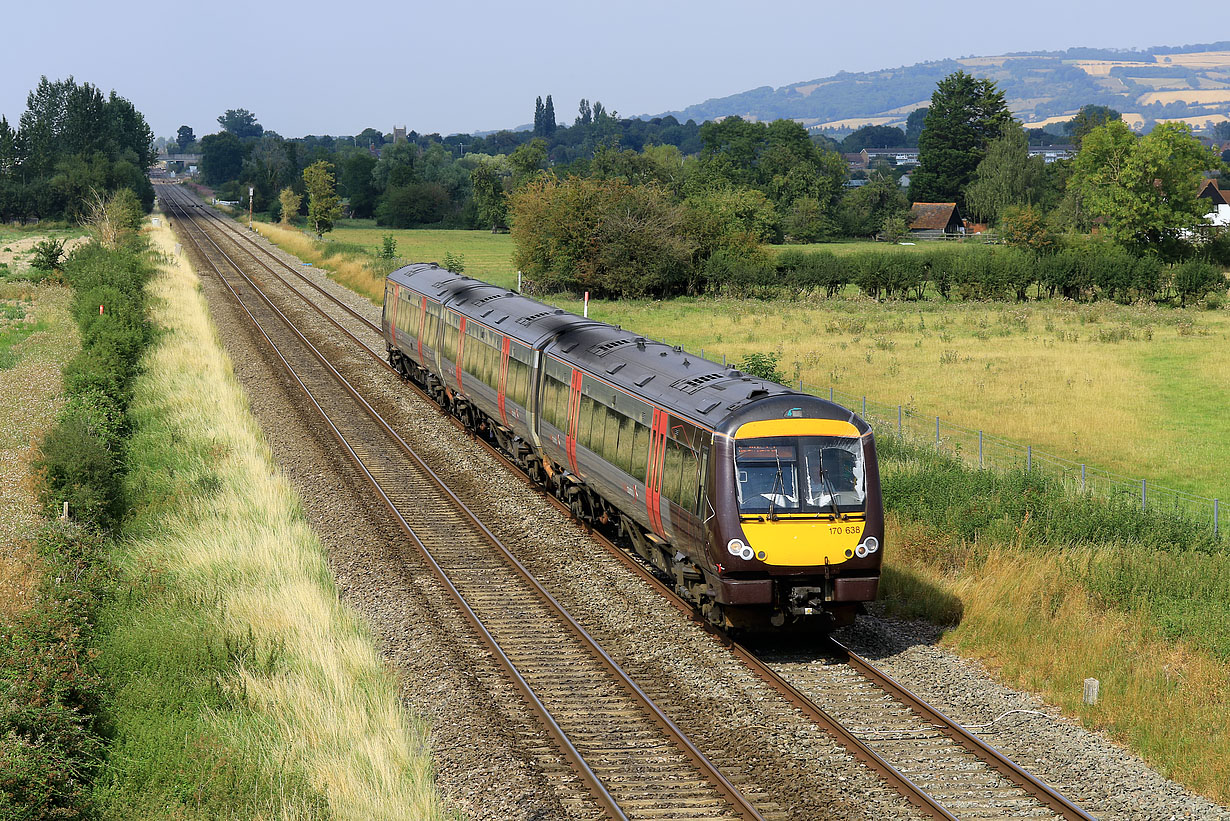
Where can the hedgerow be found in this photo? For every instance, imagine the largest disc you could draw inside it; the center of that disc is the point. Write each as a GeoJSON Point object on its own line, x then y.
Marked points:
{"type": "Point", "coordinates": [51, 743]}
{"type": "Point", "coordinates": [1083, 274]}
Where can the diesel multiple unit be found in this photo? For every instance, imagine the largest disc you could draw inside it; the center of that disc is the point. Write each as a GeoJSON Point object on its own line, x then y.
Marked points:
{"type": "Point", "coordinates": [761, 503]}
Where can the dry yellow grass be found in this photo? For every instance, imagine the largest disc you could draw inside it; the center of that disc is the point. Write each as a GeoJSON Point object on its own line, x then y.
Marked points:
{"type": "Point", "coordinates": [1029, 619]}
{"type": "Point", "coordinates": [1101, 68]}
{"type": "Point", "coordinates": [331, 707]}
{"type": "Point", "coordinates": [354, 273]}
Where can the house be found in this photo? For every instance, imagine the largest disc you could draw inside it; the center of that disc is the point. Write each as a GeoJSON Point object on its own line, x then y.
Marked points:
{"type": "Point", "coordinates": [896, 156]}
{"type": "Point", "coordinates": [935, 220]}
{"type": "Point", "coordinates": [1219, 202]}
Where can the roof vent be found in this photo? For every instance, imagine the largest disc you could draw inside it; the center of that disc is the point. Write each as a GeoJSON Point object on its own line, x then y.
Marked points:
{"type": "Point", "coordinates": [710, 406]}
{"type": "Point", "coordinates": [526, 320]}
{"type": "Point", "coordinates": [644, 380]}
{"type": "Point", "coordinates": [695, 383]}
{"type": "Point", "coordinates": [604, 348]}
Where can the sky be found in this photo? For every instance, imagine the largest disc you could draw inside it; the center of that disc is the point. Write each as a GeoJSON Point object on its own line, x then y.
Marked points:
{"type": "Point", "coordinates": [336, 68]}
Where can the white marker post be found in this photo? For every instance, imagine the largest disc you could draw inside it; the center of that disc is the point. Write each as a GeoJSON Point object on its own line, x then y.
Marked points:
{"type": "Point", "coordinates": [586, 305]}
{"type": "Point", "coordinates": [251, 191]}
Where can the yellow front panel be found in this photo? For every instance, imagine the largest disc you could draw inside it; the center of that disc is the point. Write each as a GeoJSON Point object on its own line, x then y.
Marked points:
{"type": "Point", "coordinates": [799, 541]}
{"type": "Point", "coordinates": [796, 427]}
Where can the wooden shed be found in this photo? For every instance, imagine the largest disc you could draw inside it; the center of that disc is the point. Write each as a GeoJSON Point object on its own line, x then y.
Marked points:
{"type": "Point", "coordinates": [934, 220]}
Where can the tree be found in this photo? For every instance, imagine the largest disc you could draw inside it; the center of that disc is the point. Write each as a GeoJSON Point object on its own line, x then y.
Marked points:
{"type": "Point", "coordinates": [548, 117]}
{"type": "Point", "coordinates": [1006, 177]}
{"type": "Point", "coordinates": [540, 127]}
{"type": "Point", "coordinates": [290, 204]}
{"type": "Point", "coordinates": [221, 158]}
{"type": "Point", "coordinates": [1143, 188]}
{"type": "Point", "coordinates": [369, 136]}
{"type": "Point", "coordinates": [241, 122]}
{"type": "Point", "coordinates": [914, 125]}
{"type": "Point", "coordinates": [358, 184]}
{"type": "Point", "coordinates": [873, 136]}
{"type": "Point", "coordinates": [1025, 228]}
{"type": "Point", "coordinates": [487, 181]}
{"type": "Point", "coordinates": [603, 236]}
{"type": "Point", "coordinates": [585, 115]}
{"type": "Point", "coordinates": [528, 160]}
{"type": "Point", "coordinates": [865, 209]}
{"type": "Point", "coordinates": [1087, 119]}
{"type": "Point", "coordinates": [965, 115]}
{"type": "Point", "coordinates": [324, 206]}
{"type": "Point", "coordinates": [184, 138]}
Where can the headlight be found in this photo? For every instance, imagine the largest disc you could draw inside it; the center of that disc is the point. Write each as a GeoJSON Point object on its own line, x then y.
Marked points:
{"type": "Point", "coordinates": [735, 547]}
{"type": "Point", "coordinates": [747, 554]}
{"type": "Point", "coordinates": [861, 551]}
{"type": "Point", "coordinates": [872, 544]}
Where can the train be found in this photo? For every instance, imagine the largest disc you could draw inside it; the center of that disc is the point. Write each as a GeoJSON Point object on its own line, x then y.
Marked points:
{"type": "Point", "coordinates": [760, 504]}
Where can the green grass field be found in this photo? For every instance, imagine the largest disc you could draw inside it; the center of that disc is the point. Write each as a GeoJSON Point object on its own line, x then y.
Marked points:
{"type": "Point", "coordinates": [487, 256]}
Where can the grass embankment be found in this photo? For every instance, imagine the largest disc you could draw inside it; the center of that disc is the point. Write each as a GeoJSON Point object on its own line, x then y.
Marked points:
{"type": "Point", "coordinates": [242, 686]}
{"type": "Point", "coordinates": [1048, 590]}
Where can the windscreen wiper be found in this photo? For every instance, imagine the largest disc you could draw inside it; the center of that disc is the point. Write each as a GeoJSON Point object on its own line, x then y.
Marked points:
{"type": "Point", "coordinates": [824, 477]}
{"type": "Point", "coordinates": [777, 480]}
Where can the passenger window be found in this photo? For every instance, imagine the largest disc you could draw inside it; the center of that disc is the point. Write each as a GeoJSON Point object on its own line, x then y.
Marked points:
{"type": "Point", "coordinates": [585, 428]}
{"type": "Point", "coordinates": [672, 471]}
{"type": "Point", "coordinates": [640, 450]}
{"type": "Point", "coordinates": [624, 455]}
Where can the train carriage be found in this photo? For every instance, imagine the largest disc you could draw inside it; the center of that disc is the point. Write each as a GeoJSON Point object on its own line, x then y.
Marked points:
{"type": "Point", "coordinates": [761, 503]}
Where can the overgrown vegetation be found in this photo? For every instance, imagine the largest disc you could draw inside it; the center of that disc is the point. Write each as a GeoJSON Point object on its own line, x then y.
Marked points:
{"type": "Point", "coordinates": [1052, 588]}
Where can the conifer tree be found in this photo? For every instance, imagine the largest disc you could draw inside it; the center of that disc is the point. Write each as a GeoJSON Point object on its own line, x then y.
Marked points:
{"type": "Point", "coordinates": [548, 118]}
{"type": "Point", "coordinates": [966, 114]}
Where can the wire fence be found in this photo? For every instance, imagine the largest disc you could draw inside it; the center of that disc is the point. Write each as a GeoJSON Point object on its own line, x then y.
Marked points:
{"type": "Point", "coordinates": [985, 450]}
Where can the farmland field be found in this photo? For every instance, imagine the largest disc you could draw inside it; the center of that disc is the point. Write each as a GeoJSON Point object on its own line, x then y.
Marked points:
{"type": "Point", "coordinates": [1131, 389]}
{"type": "Point", "coordinates": [1137, 390]}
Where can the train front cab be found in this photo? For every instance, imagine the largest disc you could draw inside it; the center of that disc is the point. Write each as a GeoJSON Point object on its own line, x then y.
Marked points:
{"type": "Point", "coordinates": [804, 529]}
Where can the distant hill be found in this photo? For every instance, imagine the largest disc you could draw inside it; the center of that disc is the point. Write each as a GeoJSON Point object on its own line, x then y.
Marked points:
{"type": "Point", "coordinates": [1191, 83]}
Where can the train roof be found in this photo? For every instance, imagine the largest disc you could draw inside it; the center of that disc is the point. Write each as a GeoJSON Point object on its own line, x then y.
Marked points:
{"type": "Point", "coordinates": [519, 317]}
{"type": "Point", "coordinates": [710, 394]}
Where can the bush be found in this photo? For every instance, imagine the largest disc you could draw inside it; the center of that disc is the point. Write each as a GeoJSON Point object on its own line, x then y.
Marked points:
{"type": "Point", "coordinates": [763, 366]}
{"type": "Point", "coordinates": [1194, 280]}
{"type": "Point", "coordinates": [803, 272]}
{"type": "Point", "coordinates": [739, 273]}
{"type": "Point", "coordinates": [50, 744]}
{"type": "Point", "coordinates": [77, 467]}
{"type": "Point", "coordinates": [48, 254]}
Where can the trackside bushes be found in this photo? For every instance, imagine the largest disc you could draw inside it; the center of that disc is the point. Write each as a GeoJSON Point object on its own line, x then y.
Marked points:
{"type": "Point", "coordinates": [50, 698]}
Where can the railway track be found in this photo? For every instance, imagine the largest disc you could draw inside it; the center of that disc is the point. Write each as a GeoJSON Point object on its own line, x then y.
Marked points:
{"type": "Point", "coordinates": [635, 761]}
{"type": "Point", "coordinates": [943, 769]}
